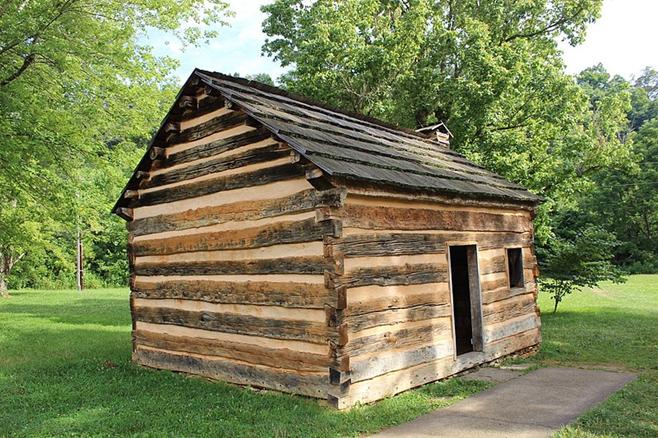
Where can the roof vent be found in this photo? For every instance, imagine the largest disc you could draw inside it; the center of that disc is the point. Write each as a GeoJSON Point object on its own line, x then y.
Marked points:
{"type": "Point", "coordinates": [438, 132]}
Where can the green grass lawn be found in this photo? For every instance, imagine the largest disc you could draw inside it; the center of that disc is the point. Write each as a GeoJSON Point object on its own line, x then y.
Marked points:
{"type": "Point", "coordinates": [65, 370]}
{"type": "Point", "coordinates": [613, 327]}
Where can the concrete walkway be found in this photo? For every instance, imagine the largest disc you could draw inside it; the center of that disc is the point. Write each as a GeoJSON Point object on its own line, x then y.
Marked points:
{"type": "Point", "coordinates": [533, 405]}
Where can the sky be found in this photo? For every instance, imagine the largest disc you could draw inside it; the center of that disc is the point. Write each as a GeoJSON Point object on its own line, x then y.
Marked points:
{"type": "Point", "coordinates": [624, 40]}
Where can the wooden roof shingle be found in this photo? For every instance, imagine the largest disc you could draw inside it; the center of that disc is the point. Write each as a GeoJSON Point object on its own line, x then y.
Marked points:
{"type": "Point", "coordinates": [358, 148]}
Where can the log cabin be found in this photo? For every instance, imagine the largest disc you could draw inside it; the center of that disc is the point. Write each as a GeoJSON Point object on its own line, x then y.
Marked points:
{"type": "Point", "coordinates": [279, 243]}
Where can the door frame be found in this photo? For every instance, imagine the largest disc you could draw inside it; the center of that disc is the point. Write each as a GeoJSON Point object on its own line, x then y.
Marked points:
{"type": "Point", "coordinates": [475, 292]}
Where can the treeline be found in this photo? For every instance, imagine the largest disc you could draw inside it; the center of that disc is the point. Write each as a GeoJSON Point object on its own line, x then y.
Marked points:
{"type": "Point", "coordinates": [80, 98]}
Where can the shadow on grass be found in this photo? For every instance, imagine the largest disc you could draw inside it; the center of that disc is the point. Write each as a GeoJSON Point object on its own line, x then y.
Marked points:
{"type": "Point", "coordinates": [618, 337]}
{"type": "Point", "coordinates": [105, 311]}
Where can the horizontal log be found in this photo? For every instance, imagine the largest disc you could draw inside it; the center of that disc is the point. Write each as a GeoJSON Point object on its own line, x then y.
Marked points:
{"type": "Point", "coordinates": [219, 184]}
{"type": "Point", "coordinates": [303, 201]}
{"type": "Point", "coordinates": [394, 275]}
{"type": "Point", "coordinates": [386, 218]}
{"type": "Point", "coordinates": [219, 123]}
{"type": "Point", "coordinates": [511, 327]}
{"type": "Point", "coordinates": [291, 294]}
{"type": "Point", "coordinates": [419, 243]}
{"type": "Point", "coordinates": [309, 384]}
{"type": "Point", "coordinates": [254, 354]}
{"type": "Point", "coordinates": [397, 381]}
{"type": "Point", "coordinates": [386, 361]}
{"type": "Point", "coordinates": [256, 237]}
{"type": "Point", "coordinates": [275, 328]}
{"type": "Point", "coordinates": [377, 298]}
{"type": "Point", "coordinates": [397, 336]}
{"type": "Point", "coordinates": [503, 293]}
{"type": "Point", "coordinates": [492, 265]}
{"type": "Point", "coordinates": [290, 265]}
{"type": "Point", "coordinates": [215, 147]}
{"type": "Point", "coordinates": [215, 165]}
{"type": "Point", "coordinates": [364, 321]}
{"type": "Point", "coordinates": [510, 308]}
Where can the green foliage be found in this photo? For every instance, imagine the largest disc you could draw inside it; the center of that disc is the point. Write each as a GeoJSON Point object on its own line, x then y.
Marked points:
{"type": "Point", "coordinates": [79, 97]}
{"type": "Point", "coordinates": [492, 71]}
{"type": "Point", "coordinates": [584, 260]}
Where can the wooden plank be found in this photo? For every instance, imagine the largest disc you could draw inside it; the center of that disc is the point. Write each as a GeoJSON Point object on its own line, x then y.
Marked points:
{"type": "Point", "coordinates": [273, 190]}
{"type": "Point", "coordinates": [253, 292]}
{"type": "Point", "coordinates": [266, 235]}
{"type": "Point", "coordinates": [502, 293]}
{"type": "Point", "coordinates": [277, 344]}
{"type": "Point", "coordinates": [372, 244]}
{"type": "Point", "coordinates": [397, 381]}
{"type": "Point", "coordinates": [302, 201]}
{"type": "Point", "coordinates": [394, 275]}
{"type": "Point", "coordinates": [376, 298]}
{"type": "Point", "coordinates": [215, 147]}
{"type": "Point", "coordinates": [217, 164]}
{"type": "Point", "coordinates": [510, 308]}
{"type": "Point", "coordinates": [384, 217]}
{"type": "Point", "coordinates": [510, 327]}
{"type": "Point", "coordinates": [364, 321]}
{"type": "Point", "coordinates": [296, 382]}
{"type": "Point", "coordinates": [290, 265]}
{"type": "Point", "coordinates": [204, 129]}
{"type": "Point", "coordinates": [275, 328]}
{"type": "Point", "coordinates": [254, 354]}
{"type": "Point", "coordinates": [219, 184]}
{"type": "Point", "coordinates": [397, 336]}
{"type": "Point", "coordinates": [367, 367]}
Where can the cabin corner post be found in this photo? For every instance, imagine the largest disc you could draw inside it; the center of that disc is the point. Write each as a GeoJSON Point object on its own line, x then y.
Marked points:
{"type": "Point", "coordinates": [329, 211]}
{"type": "Point", "coordinates": [130, 250]}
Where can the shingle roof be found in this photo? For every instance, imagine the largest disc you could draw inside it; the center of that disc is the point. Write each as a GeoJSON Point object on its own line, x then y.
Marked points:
{"type": "Point", "coordinates": [357, 148]}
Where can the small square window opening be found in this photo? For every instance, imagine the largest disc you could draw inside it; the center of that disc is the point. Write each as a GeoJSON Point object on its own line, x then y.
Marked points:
{"type": "Point", "coordinates": [515, 267]}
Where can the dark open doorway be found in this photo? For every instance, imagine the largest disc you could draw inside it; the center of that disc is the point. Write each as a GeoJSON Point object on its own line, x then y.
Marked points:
{"type": "Point", "coordinates": [465, 298]}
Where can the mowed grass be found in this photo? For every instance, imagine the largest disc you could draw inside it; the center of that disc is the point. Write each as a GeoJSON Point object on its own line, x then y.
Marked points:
{"type": "Point", "coordinates": [65, 369]}
{"type": "Point", "coordinates": [612, 327]}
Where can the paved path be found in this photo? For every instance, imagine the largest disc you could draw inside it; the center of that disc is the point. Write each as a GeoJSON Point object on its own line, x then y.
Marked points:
{"type": "Point", "coordinates": [534, 405]}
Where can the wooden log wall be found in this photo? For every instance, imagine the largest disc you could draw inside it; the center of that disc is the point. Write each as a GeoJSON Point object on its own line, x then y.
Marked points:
{"type": "Point", "coordinates": [391, 275]}
{"type": "Point", "coordinates": [226, 256]}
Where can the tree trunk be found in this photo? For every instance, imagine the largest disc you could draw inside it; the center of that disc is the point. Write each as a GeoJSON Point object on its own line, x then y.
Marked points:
{"type": "Point", "coordinates": [4, 292]}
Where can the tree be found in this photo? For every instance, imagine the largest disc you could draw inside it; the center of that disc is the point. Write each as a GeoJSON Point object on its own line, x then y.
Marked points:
{"type": "Point", "coordinates": [76, 87]}
{"type": "Point", "coordinates": [491, 70]}
{"type": "Point", "coordinates": [583, 260]}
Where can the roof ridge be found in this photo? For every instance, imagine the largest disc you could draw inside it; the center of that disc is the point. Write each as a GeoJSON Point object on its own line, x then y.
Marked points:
{"type": "Point", "coordinates": [306, 100]}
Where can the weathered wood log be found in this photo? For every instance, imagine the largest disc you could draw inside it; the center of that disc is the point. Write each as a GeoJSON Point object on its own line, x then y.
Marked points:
{"type": "Point", "coordinates": [401, 380]}
{"type": "Point", "coordinates": [503, 293]}
{"type": "Point", "coordinates": [238, 211]}
{"type": "Point", "coordinates": [224, 121]}
{"type": "Point", "coordinates": [305, 295]}
{"type": "Point", "coordinates": [254, 354]}
{"type": "Point", "coordinates": [386, 218]}
{"type": "Point", "coordinates": [510, 308]}
{"type": "Point", "coordinates": [259, 155]}
{"type": "Point", "coordinates": [309, 384]}
{"type": "Point", "coordinates": [411, 243]}
{"type": "Point", "coordinates": [221, 183]}
{"type": "Point", "coordinates": [156, 152]}
{"type": "Point", "coordinates": [265, 235]}
{"type": "Point", "coordinates": [385, 362]}
{"type": "Point", "coordinates": [510, 327]}
{"type": "Point", "coordinates": [394, 275]}
{"type": "Point", "coordinates": [493, 264]}
{"type": "Point", "coordinates": [377, 298]}
{"type": "Point", "coordinates": [290, 265]}
{"type": "Point", "coordinates": [364, 321]}
{"type": "Point", "coordinates": [275, 328]}
{"type": "Point", "coordinates": [216, 147]}
{"type": "Point", "coordinates": [397, 336]}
